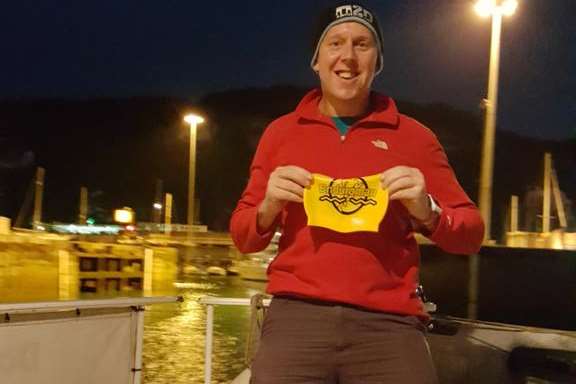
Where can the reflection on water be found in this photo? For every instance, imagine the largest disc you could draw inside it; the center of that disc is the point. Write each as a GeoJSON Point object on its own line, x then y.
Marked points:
{"type": "Point", "coordinates": [173, 333]}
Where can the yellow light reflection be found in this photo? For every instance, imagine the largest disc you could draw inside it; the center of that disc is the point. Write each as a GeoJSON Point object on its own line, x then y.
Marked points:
{"type": "Point", "coordinates": [557, 240]}
{"type": "Point", "coordinates": [124, 215]}
{"type": "Point", "coordinates": [487, 8]}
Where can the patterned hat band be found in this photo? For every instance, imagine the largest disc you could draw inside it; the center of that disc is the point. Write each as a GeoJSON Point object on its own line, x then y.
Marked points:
{"type": "Point", "coordinates": [345, 14]}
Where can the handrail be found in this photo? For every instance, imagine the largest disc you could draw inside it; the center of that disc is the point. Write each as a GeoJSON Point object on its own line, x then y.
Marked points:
{"type": "Point", "coordinates": [210, 302]}
{"type": "Point", "coordinates": [213, 300]}
{"type": "Point", "coordinates": [11, 308]}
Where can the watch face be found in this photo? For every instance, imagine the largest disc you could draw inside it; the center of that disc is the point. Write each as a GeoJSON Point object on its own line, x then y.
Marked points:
{"type": "Point", "coordinates": [435, 208]}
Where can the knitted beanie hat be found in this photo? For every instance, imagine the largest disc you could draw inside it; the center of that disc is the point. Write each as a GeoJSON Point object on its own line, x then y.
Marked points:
{"type": "Point", "coordinates": [347, 13]}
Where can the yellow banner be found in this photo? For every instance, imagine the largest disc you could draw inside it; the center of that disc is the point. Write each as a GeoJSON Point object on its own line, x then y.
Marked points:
{"type": "Point", "coordinates": [346, 205]}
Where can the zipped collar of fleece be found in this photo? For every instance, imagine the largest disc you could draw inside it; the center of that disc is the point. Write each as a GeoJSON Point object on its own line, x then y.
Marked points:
{"type": "Point", "coordinates": [383, 110]}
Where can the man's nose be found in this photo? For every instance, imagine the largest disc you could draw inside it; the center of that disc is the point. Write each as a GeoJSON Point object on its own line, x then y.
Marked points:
{"type": "Point", "coordinates": [348, 52]}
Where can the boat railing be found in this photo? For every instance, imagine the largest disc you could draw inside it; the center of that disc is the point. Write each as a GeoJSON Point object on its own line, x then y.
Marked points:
{"type": "Point", "coordinates": [515, 351]}
{"type": "Point", "coordinates": [210, 302]}
{"type": "Point", "coordinates": [59, 341]}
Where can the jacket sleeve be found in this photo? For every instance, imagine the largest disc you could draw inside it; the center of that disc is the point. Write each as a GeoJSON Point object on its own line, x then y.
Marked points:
{"type": "Point", "coordinates": [243, 225]}
{"type": "Point", "coordinates": [460, 228]}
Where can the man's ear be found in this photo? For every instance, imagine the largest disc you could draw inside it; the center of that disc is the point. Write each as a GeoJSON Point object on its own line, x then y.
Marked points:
{"type": "Point", "coordinates": [315, 67]}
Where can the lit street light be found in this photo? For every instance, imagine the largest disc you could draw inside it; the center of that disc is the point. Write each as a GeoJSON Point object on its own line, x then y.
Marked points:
{"type": "Point", "coordinates": [496, 9]}
{"type": "Point", "coordinates": [124, 215]}
{"type": "Point", "coordinates": [487, 8]}
{"type": "Point", "coordinates": [193, 120]}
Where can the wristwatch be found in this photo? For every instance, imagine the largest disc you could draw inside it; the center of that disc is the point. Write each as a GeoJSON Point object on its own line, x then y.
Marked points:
{"type": "Point", "coordinates": [436, 211]}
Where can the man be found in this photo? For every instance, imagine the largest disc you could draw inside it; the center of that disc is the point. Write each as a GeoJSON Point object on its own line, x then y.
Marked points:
{"type": "Point", "coordinates": [345, 307]}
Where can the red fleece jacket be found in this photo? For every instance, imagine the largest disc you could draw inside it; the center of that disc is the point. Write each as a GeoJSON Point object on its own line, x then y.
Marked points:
{"type": "Point", "coordinates": [377, 271]}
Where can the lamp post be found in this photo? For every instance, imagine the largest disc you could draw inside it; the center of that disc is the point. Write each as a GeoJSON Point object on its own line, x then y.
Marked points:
{"type": "Point", "coordinates": [193, 120]}
{"type": "Point", "coordinates": [497, 9]}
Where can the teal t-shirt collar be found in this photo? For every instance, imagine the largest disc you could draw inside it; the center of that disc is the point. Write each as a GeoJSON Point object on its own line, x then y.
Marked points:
{"type": "Point", "coordinates": [343, 123]}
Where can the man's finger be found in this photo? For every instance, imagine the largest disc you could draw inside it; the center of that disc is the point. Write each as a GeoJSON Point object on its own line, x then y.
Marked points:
{"type": "Point", "coordinates": [404, 194]}
{"type": "Point", "coordinates": [400, 185]}
{"type": "Point", "coordinates": [295, 174]}
{"type": "Point", "coordinates": [388, 180]}
{"type": "Point", "coordinates": [285, 195]}
{"type": "Point", "coordinates": [288, 186]}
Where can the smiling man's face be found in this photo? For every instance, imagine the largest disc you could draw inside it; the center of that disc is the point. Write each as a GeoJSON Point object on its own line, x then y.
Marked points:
{"type": "Point", "coordinates": [346, 63]}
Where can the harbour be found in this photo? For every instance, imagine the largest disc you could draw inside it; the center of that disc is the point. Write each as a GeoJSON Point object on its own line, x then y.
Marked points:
{"type": "Point", "coordinates": [132, 155]}
{"type": "Point", "coordinates": [173, 333]}
{"type": "Point", "coordinates": [47, 267]}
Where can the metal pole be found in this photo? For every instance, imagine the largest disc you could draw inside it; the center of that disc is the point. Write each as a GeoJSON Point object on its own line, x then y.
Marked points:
{"type": "Point", "coordinates": [547, 193]}
{"type": "Point", "coordinates": [473, 267]}
{"type": "Point", "coordinates": [514, 213]}
{"type": "Point", "coordinates": [148, 270]}
{"type": "Point", "coordinates": [156, 209]}
{"type": "Point", "coordinates": [487, 168]}
{"type": "Point", "coordinates": [168, 213]}
{"type": "Point", "coordinates": [558, 200]}
{"type": "Point", "coordinates": [486, 171]}
{"type": "Point", "coordinates": [39, 191]}
{"type": "Point", "coordinates": [137, 369]}
{"type": "Point", "coordinates": [208, 345]}
{"type": "Point", "coordinates": [191, 177]}
{"type": "Point", "coordinates": [83, 212]}
{"type": "Point", "coordinates": [210, 302]}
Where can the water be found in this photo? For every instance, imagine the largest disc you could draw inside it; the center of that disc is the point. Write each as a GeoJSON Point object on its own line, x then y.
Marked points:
{"type": "Point", "coordinates": [174, 333]}
{"type": "Point", "coordinates": [173, 350]}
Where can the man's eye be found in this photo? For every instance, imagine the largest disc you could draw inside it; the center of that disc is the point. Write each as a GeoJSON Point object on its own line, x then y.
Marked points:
{"type": "Point", "coordinates": [334, 44]}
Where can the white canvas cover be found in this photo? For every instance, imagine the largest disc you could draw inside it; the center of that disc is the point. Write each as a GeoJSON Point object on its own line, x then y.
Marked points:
{"type": "Point", "coordinates": [95, 349]}
{"type": "Point", "coordinates": [82, 342]}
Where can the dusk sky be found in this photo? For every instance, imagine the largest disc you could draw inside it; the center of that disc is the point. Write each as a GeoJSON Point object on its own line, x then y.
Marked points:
{"type": "Point", "coordinates": [435, 51]}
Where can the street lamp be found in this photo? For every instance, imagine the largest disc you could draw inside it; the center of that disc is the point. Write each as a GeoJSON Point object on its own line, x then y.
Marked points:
{"type": "Point", "coordinates": [193, 120]}
{"type": "Point", "coordinates": [496, 9]}
{"type": "Point", "coordinates": [124, 216]}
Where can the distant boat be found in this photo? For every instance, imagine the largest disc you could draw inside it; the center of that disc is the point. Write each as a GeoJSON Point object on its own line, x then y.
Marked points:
{"type": "Point", "coordinates": [216, 271]}
{"type": "Point", "coordinates": [254, 266]}
{"type": "Point", "coordinates": [193, 270]}
{"type": "Point", "coordinates": [184, 285]}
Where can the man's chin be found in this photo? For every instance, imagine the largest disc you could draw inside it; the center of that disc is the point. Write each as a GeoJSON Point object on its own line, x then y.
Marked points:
{"type": "Point", "coordinates": [348, 95]}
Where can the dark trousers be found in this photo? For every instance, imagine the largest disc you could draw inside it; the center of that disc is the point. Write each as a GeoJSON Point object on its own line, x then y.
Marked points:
{"type": "Point", "coordinates": [309, 342]}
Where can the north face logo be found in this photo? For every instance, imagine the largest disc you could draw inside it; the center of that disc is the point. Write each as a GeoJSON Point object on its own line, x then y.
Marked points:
{"type": "Point", "coordinates": [354, 10]}
{"type": "Point", "coordinates": [380, 144]}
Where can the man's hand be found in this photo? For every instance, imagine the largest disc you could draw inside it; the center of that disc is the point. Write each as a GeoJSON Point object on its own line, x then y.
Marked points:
{"type": "Point", "coordinates": [285, 184]}
{"type": "Point", "coordinates": [408, 185]}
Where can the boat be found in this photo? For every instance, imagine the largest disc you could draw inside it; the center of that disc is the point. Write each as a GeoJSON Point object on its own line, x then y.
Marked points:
{"type": "Point", "coordinates": [216, 271]}
{"type": "Point", "coordinates": [464, 351]}
{"type": "Point", "coordinates": [254, 266]}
